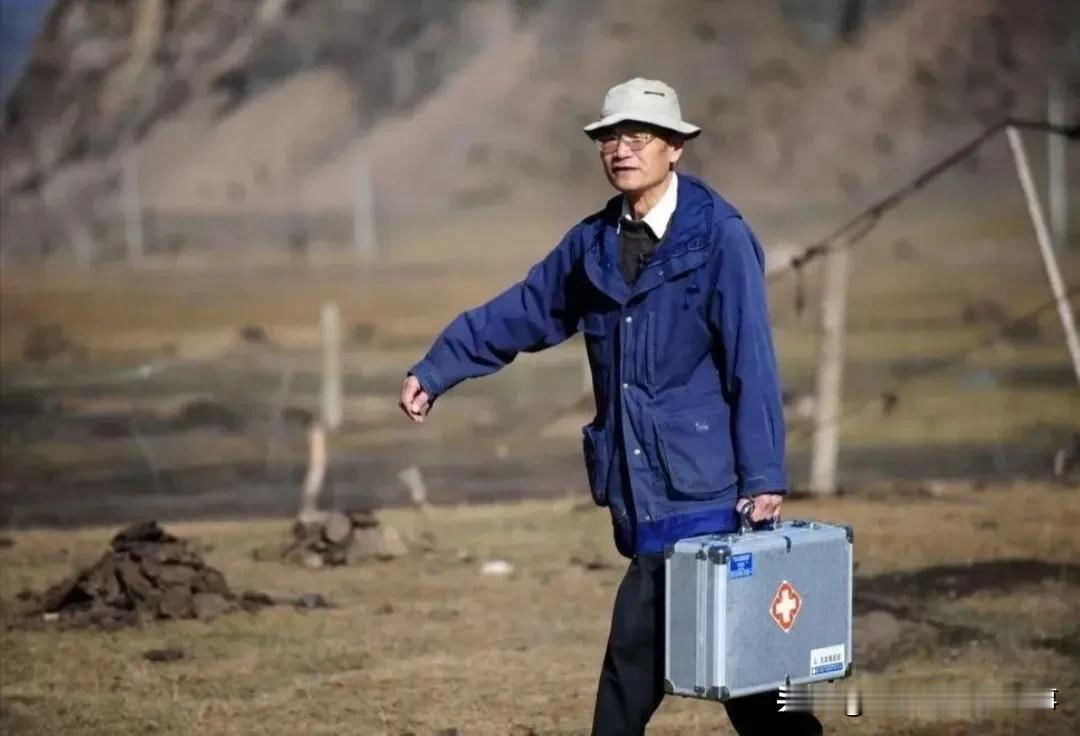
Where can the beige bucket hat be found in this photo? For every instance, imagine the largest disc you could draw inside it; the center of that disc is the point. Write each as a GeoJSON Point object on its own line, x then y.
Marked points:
{"type": "Point", "coordinates": [643, 101]}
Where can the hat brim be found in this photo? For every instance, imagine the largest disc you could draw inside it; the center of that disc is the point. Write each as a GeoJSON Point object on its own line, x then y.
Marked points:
{"type": "Point", "coordinates": [683, 128]}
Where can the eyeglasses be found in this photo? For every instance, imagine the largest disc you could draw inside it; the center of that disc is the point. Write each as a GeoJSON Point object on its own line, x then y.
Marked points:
{"type": "Point", "coordinates": [609, 142]}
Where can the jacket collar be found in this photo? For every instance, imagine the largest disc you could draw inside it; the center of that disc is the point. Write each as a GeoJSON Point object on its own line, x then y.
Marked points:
{"type": "Point", "coordinates": [685, 246]}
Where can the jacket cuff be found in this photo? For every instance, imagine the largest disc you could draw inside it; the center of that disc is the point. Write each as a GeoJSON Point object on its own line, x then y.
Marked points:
{"type": "Point", "coordinates": [768, 482]}
{"type": "Point", "coordinates": [428, 377]}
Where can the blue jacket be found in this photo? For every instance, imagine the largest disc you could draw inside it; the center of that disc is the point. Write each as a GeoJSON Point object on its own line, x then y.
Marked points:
{"type": "Point", "coordinates": [688, 408]}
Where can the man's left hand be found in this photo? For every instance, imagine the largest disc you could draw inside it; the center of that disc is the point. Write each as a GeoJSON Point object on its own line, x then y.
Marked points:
{"type": "Point", "coordinates": [766, 506]}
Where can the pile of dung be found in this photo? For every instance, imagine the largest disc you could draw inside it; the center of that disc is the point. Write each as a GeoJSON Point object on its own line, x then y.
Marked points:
{"type": "Point", "coordinates": [146, 574]}
{"type": "Point", "coordinates": [338, 538]}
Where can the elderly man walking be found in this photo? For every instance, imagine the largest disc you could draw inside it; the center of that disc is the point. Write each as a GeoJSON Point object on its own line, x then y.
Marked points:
{"type": "Point", "coordinates": [666, 283]}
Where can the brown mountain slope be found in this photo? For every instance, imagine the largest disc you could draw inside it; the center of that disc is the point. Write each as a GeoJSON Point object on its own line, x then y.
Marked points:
{"type": "Point", "coordinates": [265, 106]}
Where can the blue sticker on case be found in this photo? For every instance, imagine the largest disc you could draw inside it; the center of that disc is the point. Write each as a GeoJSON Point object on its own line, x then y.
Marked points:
{"type": "Point", "coordinates": [741, 565]}
{"type": "Point", "coordinates": [823, 668]}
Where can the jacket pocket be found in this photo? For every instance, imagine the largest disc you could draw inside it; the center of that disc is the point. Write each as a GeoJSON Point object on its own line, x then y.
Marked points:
{"type": "Point", "coordinates": [696, 452]}
{"type": "Point", "coordinates": [597, 461]}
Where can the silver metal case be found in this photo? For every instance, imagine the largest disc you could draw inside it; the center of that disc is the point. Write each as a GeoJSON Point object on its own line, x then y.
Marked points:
{"type": "Point", "coordinates": [751, 611]}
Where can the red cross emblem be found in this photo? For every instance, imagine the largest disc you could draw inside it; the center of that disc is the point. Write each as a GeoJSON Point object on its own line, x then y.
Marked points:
{"type": "Point", "coordinates": [785, 606]}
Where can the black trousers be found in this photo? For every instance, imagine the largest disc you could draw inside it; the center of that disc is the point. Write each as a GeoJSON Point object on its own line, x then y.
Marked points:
{"type": "Point", "coordinates": [632, 679]}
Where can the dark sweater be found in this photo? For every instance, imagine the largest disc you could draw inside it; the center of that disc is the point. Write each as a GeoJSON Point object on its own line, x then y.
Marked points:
{"type": "Point", "coordinates": [636, 244]}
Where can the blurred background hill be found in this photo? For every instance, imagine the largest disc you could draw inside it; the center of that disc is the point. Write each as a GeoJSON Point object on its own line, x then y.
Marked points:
{"type": "Point", "coordinates": [264, 107]}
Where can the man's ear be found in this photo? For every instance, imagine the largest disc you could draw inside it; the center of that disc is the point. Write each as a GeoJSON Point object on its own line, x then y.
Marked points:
{"type": "Point", "coordinates": [676, 152]}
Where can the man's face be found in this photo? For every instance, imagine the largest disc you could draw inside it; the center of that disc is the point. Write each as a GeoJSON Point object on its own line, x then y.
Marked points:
{"type": "Point", "coordinates": [635, 171]}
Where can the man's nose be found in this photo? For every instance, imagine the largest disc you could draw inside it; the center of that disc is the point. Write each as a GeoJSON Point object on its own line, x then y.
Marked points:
{"type": "Point", "coordinates": [623, 149]}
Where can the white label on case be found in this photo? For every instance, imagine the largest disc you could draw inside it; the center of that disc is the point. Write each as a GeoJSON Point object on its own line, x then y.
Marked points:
{"type": "Point", "coordinates": [827, 659]}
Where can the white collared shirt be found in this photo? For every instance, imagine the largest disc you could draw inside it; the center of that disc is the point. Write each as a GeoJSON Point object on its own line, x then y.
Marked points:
{"type": "Point", "coordinates": [660, 215]}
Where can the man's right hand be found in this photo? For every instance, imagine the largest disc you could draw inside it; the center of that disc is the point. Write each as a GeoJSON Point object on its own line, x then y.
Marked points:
{"type": "Point", "coordinates": [414, 400]}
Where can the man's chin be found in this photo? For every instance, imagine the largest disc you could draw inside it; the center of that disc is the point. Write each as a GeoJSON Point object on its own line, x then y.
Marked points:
{"type": "Point", "coordinates": [627, 184]}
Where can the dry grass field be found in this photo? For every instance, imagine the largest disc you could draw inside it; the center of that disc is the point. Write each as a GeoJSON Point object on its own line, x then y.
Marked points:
{"type": "Point", "coordinates": [426, 642]}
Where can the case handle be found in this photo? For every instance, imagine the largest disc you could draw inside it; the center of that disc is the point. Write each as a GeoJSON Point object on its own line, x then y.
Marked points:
{"type": "Point", "coordinates": [746, 525]}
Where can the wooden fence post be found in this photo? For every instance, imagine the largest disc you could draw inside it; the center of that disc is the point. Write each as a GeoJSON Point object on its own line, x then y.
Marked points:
{"type": "Point", "coordinates": [830, 371]}
{"type": "Point", "coordinates": [330, 415]}
{"type": "Point", "coordinates": [1056, 167]}
{"type": "Point", "coordinates": [330, 321]}
{"type": "Point", "coordinates": [1042, 236]}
